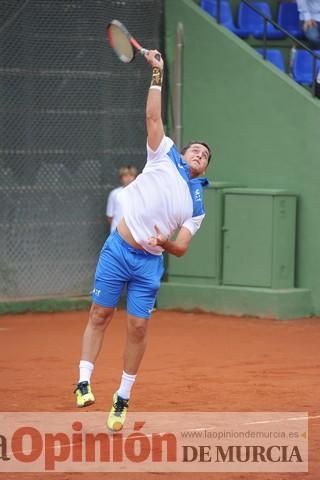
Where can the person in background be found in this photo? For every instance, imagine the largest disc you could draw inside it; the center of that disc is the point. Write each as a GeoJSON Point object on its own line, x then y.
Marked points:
{"type": "Point", "coordinates": [113, 208]}
{"type": "Point", "coordinates": [309, 13]}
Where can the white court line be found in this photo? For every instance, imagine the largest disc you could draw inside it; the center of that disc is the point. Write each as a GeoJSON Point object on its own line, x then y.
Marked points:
{"type": "Point", "coordinates": [258, 422]}
{"type": "Point", "coordinates": [290, 419]}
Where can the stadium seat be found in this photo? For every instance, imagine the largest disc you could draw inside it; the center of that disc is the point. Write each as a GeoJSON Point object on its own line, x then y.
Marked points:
{"type": "Point", "coordinates": [302, 67]}
{"type": "Point", "coordinates": [226, 19]}
{"type": "Point", "coordinates": [249, 20]}
{"type": "Point", "coordinates": [274, 56]}
{"type": "Point", "coordinates": [288, 18]}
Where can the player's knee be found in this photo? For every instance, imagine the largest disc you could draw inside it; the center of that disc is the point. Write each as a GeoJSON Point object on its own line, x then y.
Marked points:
{"type": "Point", "coordinates": [99, 317]}
{"type": "Point", "coordinates": [137, 329]}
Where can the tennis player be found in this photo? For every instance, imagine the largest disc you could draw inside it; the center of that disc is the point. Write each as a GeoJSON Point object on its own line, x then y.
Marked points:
{"type": "Point", "coordinates": [166, 198]}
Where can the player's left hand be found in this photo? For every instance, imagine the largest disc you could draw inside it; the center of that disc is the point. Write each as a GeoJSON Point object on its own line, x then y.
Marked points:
{"type": "Point", "coordinates": [158, 239]}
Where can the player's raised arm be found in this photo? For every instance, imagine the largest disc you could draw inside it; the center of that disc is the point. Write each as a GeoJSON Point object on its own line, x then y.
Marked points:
{"type": "Point", "coordinates": [153, 110]}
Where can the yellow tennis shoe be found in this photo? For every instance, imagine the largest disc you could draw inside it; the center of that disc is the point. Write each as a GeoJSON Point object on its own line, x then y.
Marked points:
{"type": "Point", "coordinates": [84, 396]}
{"type": "Point", "coordinates": [117, 413]}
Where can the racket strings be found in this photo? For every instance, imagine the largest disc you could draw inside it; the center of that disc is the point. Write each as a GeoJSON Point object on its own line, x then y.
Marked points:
{"type": "Point", "coordinates": [121, 44]}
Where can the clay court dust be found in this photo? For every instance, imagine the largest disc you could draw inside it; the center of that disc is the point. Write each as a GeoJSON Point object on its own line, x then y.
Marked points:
{"type": "Point", "coordinates": [194, 362]}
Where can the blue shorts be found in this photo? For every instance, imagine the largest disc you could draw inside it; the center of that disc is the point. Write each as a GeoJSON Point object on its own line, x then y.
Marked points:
{"type": "Point", "coordinates": [121, 264]}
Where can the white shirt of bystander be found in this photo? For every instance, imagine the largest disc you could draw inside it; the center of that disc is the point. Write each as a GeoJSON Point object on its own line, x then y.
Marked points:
{"type": "Point", "coordinates": [114, 207]}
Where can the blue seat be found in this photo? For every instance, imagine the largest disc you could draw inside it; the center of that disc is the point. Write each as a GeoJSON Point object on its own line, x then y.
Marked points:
{"type": "Point", "coordinates": [302, 67]}
{"type": "Point", "coordinates": [226, 19]}
{"type": "Point", "coordinates": [274, 56]}
{"type": "Point", "coordinates": [249, 20]}
{"type": "Point", "coordinates": [288, 18]}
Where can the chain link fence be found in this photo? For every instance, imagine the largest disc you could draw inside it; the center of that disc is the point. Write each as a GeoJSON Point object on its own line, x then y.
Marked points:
{"type": "Point", "coordinates": [70, 115]}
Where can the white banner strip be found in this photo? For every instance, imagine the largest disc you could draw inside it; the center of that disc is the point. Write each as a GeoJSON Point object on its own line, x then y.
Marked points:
{"type": "Point", "coordinates": [155, 442]}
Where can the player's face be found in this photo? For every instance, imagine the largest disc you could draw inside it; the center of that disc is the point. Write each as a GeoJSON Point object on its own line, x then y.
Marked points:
{"type": "Point", "coordinates": [197, 157]}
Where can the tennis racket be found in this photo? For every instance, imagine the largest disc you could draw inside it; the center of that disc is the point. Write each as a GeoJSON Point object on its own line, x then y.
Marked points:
{"type": "Point", "coordinates": [123, 43]}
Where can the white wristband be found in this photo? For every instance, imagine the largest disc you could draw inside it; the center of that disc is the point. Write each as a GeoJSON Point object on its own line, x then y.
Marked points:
{"type": "Point", "coordinates": [155, 87]}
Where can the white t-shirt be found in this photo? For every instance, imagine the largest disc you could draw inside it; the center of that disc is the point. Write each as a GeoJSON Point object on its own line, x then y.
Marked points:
{"type": "Point", "coordinates": [163, 195]}
{"type": "Point", "coordinates": [114, 207]}
{"type": "Point", "coordinates": [309, 10]}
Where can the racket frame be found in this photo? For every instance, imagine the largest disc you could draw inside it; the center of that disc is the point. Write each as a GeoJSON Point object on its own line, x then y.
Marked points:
{"type": "Point", "coordinates": [134, 43]}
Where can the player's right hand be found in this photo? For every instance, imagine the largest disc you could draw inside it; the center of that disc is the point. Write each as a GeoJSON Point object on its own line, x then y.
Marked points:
{"type": "Point", "coordinates": [158, 239]}
{"type": "Point", "coordinates": [152, 60]}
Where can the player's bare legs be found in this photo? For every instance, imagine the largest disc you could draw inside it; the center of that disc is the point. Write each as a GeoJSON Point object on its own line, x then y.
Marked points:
{"type": "Point", "coordinates": [133, 353]}
{"type": "Point", "coordinates": [99, 319]}
{"type": "Point", "coordinates": [136, 343]}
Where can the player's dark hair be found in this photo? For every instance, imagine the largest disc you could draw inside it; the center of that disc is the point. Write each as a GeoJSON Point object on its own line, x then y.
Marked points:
{"type": "Point", "coordinates": [183, 151]}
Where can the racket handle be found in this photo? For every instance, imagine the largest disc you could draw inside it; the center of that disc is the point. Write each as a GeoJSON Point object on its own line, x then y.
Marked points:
{"type": "Point", "coordinates": [143, 51]}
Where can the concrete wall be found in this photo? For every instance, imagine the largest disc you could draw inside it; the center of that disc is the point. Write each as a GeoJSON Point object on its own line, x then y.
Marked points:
{"type": "Point", "coordinates": [263, 127]}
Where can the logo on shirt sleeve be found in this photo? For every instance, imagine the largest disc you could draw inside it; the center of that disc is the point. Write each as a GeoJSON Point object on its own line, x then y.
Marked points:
{"type": "Point", "coordinates": [197, 195]}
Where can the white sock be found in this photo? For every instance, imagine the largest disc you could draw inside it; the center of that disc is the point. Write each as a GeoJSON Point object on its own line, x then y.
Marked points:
{"type": "Point", "coordinates": [126, 384]}
{"type": "Point", "coordinates": [86, 369]}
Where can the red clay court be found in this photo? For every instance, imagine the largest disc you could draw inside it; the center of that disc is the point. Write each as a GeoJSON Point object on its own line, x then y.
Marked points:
{"type": "Point", "coordinates": [194, 362]}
